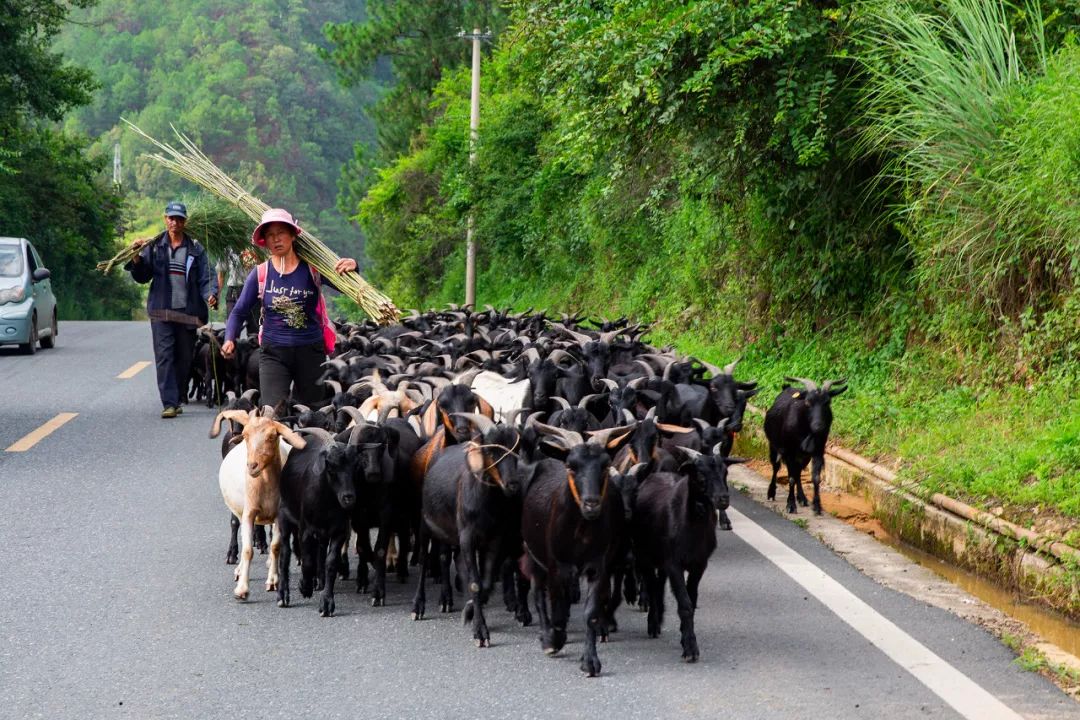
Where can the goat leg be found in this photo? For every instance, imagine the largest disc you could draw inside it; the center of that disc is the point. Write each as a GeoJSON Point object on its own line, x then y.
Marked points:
{"type": "Point", "coordinates": [522, 615]}
{"type": "Point", "coordinates": [774, 460]}
{"type": "Point", "coordinates": [284, 558]}
{"type": "Point", "coordinates": [243, 570]}
{"type": "Point", "coordinates": [595, 600]}
{"type": "Point", "coordinates": [333, 553]}
{"type": "Point", "coordinates": [794, 485]}
{"type": "Point", "coordinates": [816, 466]}
{"type": "Point", "coordinates": [468, 553]}
{"type": "Point", "coordinates": [420, 598]}
{"type": "Point", "coordinates": [260, 539]}
{"type": "Point", "coordinates": [273, 574]}
{"type": "Point", "coordinates": [364, 555]}
{"type": "Point", "coordinates": [686, 612]}
{"type": "Point", "coordinates": [446, 597]}
{"type": "Point", "coordinates": [232, 555]}
{"type": "Point", "coordinates": [382, 544]}
{"type": "Point", "coordinates": [723, 520]}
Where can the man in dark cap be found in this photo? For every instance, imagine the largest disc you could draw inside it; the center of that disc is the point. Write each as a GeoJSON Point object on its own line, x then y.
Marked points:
{"type": "Point", "coordinates": [181, 293]}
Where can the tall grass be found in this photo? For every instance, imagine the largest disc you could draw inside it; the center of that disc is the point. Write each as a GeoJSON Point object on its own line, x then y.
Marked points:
{"type": "Point", "coordinates": [943, 91]}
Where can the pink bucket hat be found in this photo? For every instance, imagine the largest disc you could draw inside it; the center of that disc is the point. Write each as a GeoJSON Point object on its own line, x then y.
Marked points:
{"type": "Point", "coordinates": [272, 215]}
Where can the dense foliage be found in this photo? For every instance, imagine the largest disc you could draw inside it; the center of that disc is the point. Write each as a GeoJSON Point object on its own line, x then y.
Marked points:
{"type": "Point", "coordinates": [50, 191]}
{"type": "Point", "coordinates": [244, 80]}
{"type": "Point", "coordinates": [881, 190]}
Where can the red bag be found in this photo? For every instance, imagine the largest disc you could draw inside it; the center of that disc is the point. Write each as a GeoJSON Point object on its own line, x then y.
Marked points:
{"type": "Point", "coordinates": [328, 332]}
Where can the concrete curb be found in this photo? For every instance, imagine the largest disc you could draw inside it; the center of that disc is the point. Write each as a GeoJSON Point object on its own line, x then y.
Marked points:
{"type": "Point", "coordinates": [1002, 552]}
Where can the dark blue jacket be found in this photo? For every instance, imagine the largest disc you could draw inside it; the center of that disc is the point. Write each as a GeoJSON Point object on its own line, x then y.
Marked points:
{"type": "Point", "coordinates": [154, 269]}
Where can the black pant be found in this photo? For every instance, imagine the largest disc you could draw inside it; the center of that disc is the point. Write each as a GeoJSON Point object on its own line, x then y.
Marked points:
{"type": "Point", "coordinates": [174, 346]}
{"type": "Point", "coordinates": [300, 366]}
{"type": "Point", "coordinates": [251, 322]}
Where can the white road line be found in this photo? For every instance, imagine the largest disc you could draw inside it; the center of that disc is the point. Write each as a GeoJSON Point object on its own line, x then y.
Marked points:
{"type": "Point", "coordinates": [958, 690]}
{"type": "Point", "coordinates": [32, 439]}
{"type": "Point", "coordinates": [133, 370]}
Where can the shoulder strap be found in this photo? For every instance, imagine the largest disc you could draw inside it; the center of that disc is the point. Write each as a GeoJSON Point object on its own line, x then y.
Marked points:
{"type": "Point", "coordinates": [260, 269]}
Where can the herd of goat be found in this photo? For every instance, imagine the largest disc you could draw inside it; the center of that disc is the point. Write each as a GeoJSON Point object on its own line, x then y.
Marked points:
{"type": "Point", "coordinates": [536, 454]}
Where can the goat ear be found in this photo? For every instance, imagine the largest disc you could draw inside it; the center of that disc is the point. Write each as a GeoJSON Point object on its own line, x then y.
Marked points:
{"type": "Point", "coordinates": [673, 429]}
{"type": "Point", "coordinates": [752, 392]}
{"type": "Point", "coordinates": [291, 437]}
{"type": "Point", "coordinates": [553, 450]}
{"type": "Point", "coordinates": [735, 460]}
{"type": "Point", "coordinates": [474, 457]}
{"type": "Point", "coordinates": [834, 391]}
{"type": "Point", "coordinates": [485, 408]}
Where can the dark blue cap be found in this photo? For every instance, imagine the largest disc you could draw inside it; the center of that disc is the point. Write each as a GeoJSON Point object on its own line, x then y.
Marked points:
{"type": "Point", "coordinates": [176, 209]}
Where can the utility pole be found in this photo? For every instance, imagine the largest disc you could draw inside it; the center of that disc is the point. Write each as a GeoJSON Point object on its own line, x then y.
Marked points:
{"type": "Point", "coordinates": [474, 127]}
{"type": "Point", "coordinates": [118, 180]}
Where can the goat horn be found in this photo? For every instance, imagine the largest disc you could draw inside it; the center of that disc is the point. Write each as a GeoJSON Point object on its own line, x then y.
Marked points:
{"type": "Point", "coordinates": [610, 384]}
{"type": "Point", "coordinates": [556, 356]}
{"type": "Point", "coordinates": [466, 378]}
{"type": "Point", "coordinates": [651, 415]}
{"type": "Point", "coordinates": [354, 436]}
{"type": "Point", "coordinates": [636, 382]}
{"type": "Point", "coordinates": [532, 354]}
{"type": "Point", "coordinates": [730, 367]}
{"type": "Point", "coordinates": [354, 413]}
{"type": "Point", "coordinates": [512, 416]}
{"type": "Point", "coordinates": [334, 385]}
{"type": "Point", "coordinates": [301, 408]}
{"type": "Point", "coordinates": [250, 395]}
{"type": "Point", "coordinates": [649, 372]}
{"type": "Point", "coordinates": [385, 410]}
{"type": "Point", "coordinates": [690, 453]}
{"type": "Point", "coordinates": [603, 437]}
{"type": "Point", "coordinates": [713, 370]}
{"type": "Point", "coordinates": [569, 438]}
{"type": "Point", "coordinates": [810, 385]}
{"type": "Point", "coordinates": [629, 415]}
{"type": "Point", "coordinates": [830, 383]}
{"type": "Point", "coordinates": [717, 447]}
{"type": "Point", "coordinates": [588, 399]}
{"type": "Point", "coordinates": [563, 402]}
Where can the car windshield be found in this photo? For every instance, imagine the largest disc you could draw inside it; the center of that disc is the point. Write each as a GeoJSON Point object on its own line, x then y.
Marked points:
{"type": "Point", "coordinates": [11, 263]}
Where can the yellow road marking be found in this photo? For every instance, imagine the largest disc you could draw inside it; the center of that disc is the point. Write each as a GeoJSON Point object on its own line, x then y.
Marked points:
{"type": "Point", "coordinates": [29, 441]}
{"type": "Point", "coordinates": [133, 370]}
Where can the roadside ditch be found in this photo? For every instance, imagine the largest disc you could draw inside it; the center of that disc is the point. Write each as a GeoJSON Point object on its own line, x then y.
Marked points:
{"type": "Point", "coordinates": [1022, 587]}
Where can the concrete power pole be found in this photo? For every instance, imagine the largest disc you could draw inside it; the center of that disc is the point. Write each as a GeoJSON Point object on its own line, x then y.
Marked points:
{"type": "Point", "coordinates": [474, 127]}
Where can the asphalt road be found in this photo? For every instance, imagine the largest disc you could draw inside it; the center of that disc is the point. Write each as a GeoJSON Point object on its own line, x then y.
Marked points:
{"type": "Point", "coordinates": [118, 603]}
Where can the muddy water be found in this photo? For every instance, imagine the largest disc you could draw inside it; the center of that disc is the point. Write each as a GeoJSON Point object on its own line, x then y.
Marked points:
{"type": "Point", "coordinates": [859, 513]}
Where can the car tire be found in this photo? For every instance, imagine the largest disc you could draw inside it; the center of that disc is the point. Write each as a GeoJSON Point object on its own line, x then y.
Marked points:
{"type": "Point", "coordinates": [29, 348]}
{"type": "Point", "coordinates": [50, 342]}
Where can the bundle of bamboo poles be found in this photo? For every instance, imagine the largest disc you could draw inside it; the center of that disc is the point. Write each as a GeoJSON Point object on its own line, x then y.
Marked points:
{"type": "Point", "coordinates": [222, 228]}
{"type": "Point", "coordinates": [191, 164]}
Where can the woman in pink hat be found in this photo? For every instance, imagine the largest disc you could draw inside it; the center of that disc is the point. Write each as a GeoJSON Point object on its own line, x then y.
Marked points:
{"type": "Point", "coordinates": [295, 334]}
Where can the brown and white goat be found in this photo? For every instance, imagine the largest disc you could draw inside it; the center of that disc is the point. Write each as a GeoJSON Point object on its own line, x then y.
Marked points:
{"type": "Point", "coordinates": [249, 477]}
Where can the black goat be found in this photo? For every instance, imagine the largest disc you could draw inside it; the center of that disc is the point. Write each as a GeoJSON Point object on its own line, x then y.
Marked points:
{"type": "Point", "coordinates": [386, 496]}
{"type": "Point", "coordinates": [318, 491]}
{"type": "Point", "coordinates": [674, 533]}
{"type": "Point", "coordinates": [797, 427]}
{"type": "Point", "coordinates": [571, 526]}
{"type": "Point", "coordinates": [470, 502]}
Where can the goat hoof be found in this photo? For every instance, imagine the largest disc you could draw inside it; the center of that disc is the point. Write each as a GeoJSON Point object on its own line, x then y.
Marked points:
{"type": "Point", "coordinates": [231, 559]}
{"type": "Point", "coordinates": [241, 594]}
{"type": "Point", "coordinates": [690, 657]}
{"type": "Point", "coordinates": [550, 651]}
{"type": "Point", "coordinates": [725, 526]}
{"type": "Point", "coordinates": [482, 642]}
{"type": "Point", "coordinates": [590, 666]}
{"type": "Point", "coordinates": [271, 586]}
{"type": "Point", "coordinates": [792, 509]}
{"type": "Point", "coordinates": [524, 618]}
{"type": "Point", "coordinates": [378, 602]}
{"type": "Point", "coordinates": [326, 608]}
{"type": "Point", "coordinates": [417, 615]}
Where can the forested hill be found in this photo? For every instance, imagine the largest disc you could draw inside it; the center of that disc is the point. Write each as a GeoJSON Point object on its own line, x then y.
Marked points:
{"type": "Point", "coordinates": [243, 79]}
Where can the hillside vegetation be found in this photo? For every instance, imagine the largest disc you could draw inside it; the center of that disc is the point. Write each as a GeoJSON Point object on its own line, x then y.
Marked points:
{"type": "Point", "coordinates": [244, 80]}
{"type": "Point", "coordinates": [885, 191]}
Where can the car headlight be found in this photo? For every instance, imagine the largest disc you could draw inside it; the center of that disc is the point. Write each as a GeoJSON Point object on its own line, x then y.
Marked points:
{"type": "Point", "coordinates": [12, 295]}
